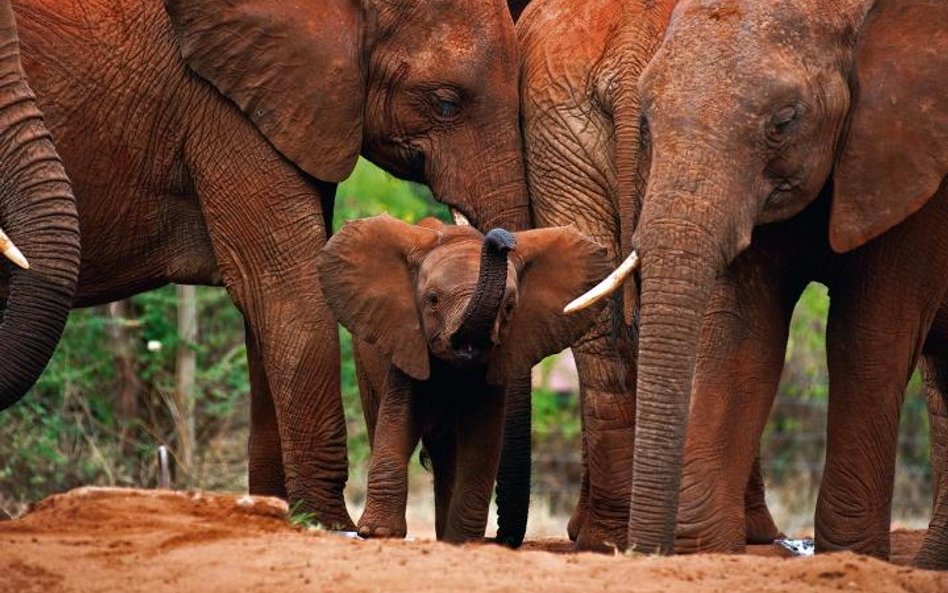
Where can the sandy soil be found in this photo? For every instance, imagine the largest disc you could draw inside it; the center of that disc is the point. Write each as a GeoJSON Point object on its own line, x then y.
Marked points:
{"type": "Point", "coordinates": [133, 540]}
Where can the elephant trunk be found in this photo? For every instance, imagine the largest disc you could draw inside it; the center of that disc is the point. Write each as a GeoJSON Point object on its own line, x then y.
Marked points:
{"type": "Point", "coordinates": [38, 212]}
{"type": "Point", "coordinates": [685, 240]}
{"type": "Point", "coordinates": [473, 336]}
{"type": "Point", "coordinates": [513, 475]}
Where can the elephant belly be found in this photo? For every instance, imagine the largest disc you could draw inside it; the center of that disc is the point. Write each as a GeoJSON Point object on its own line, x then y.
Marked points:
{"type": "Point", "coordinates": [118, 102]}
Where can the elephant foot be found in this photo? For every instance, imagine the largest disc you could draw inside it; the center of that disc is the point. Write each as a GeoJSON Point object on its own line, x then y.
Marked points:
{"type": "Point", "coordinates": [761, 528]}
{"type": "Point", "coordinates": [934, 554]}
{"type": "Point", "coordinates": [396, 528]}
{"type": "Point", "coordinates": [335, 518]}
{"type": "Point", "coordinates": [332, 517]}
{"type": "Point", "coordinates": [722, 536]}
{"type": "Point", "coordinates": [576, 521]}
{"type": "Point", "coordinates": [602, 536]}
{"type": "Point", "coordinates": [512, 541]}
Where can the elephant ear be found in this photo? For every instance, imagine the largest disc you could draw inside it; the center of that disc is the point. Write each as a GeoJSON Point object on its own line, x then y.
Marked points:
{"type": "Point", "coordinates": [368, 272]}
{"type": "Point", "coordinates": [554, 266]}
{"type": "Point", "coordinates": [294, 68]}
{"type": "Point", "coordinates": [896, 152]}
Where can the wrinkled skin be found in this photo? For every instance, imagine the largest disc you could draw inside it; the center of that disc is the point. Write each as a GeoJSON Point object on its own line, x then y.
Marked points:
{"type": "Point", "coordinates": [934, 367]}
{"type": "Point", "coordinates": [38, 213]}
{"type": "Point", "coordinates": [585, 166]}
{"type": "Point", "coordinates": [579, 66]}
{"type": "Point", "coordinates": [442, 321]}
{"type": "Point", "coordinates": [205, 144]}
{"type": "Point", "coordinates": [750, 109]}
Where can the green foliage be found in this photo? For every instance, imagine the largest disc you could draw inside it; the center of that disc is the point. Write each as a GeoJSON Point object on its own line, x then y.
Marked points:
{"type": "Point", "coordinates": [297, 517]}
{"type": "Point", "coordinates": [370, 191]}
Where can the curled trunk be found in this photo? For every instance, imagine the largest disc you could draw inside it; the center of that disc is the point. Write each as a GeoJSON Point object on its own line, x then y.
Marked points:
{"type": "Point", "coordinates": [474, 332]}
{"type": "Point", "coordinates": [38, 211]}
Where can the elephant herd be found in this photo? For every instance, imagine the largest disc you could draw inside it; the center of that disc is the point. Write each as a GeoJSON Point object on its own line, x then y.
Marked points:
{"type": "Point", "coordinates": [726, 152]}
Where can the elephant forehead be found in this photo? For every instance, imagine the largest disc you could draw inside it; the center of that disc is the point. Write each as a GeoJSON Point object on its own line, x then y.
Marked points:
{"type": "Point", "coordinates": [456, 263]}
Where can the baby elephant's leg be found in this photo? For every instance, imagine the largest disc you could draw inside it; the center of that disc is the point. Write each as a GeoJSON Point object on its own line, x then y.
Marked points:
{"type": "Point", "coordinates": [396, 435]}
{"type": "Point", "coordinates": [480, 431]}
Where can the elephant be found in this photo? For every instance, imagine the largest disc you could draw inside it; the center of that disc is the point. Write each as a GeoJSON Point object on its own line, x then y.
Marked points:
{"type": "Point", "coordinates": [579, 99]}
{"type": "Point", "coordinates": [449, 316]}
{"type": "Point", "coordinates": [38, 210]}
{"type": "Point", "coordinates": [787, 142]}
{"type": "Point", "coordinates": [205, 141]}
{"type": "Point", "coordinates": [934, 368]}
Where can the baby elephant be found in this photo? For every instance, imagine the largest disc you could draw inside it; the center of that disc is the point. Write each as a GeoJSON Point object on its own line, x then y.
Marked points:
{"type": "Point", "coordinates": [443, 316]}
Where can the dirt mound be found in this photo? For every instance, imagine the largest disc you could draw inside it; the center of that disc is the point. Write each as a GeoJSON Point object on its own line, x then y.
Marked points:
{"type": "Point", "coordinates": [130, 540]}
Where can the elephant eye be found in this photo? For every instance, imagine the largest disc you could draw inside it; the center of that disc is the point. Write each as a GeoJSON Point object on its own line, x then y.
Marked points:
{"type": "Point", "coordinates": [782, 123]}
{"type": "Point", "coordinates": [446, 103]}
{"type": "Point", "coordinates": [431, 300]}
{"type": "Point", "coordinates": [508, 306]}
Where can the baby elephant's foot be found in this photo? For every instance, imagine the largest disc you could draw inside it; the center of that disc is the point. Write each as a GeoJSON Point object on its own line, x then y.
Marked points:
{"type": "Point", "coordinates": [382, 528]}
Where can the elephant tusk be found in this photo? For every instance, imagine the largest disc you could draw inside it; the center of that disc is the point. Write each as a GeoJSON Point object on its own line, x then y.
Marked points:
{"type": "Point", "coordinates": [460, 219]}
{"type": "Point", "coordinates": [11, 252]}
{"type": "Point", "coordinates": [609, 285]}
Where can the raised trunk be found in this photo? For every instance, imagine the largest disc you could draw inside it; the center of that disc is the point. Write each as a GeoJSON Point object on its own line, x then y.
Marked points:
{"type": "Point", "coordinates": [38, 212]}
{"type": "Point", "coordinates": [686, 237]}
{"type": "Point", "coordinates": [473, 336]}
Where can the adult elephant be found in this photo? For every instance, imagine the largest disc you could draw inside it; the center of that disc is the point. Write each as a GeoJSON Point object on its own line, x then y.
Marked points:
{"type": "Point", "coordinates": [934, 367]}
{"type": "Point", "coordinates": [37, 208]}
{"type": "Point", "coordinates": [585, 166]}
{"type": "Point", "coordinates": [749, 109]}
{"type": "Point", "coordinates": [205, 140]}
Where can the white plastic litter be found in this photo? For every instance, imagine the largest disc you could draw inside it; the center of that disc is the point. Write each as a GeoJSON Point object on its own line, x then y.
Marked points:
{"type": "Point", "coordinates": [797, 547]}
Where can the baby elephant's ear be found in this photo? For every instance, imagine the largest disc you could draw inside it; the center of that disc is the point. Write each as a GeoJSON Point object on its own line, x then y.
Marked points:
{"type": "Point", "coordinates": [367, 273]}
{"type": "Point", "coordinates": [555, 265]}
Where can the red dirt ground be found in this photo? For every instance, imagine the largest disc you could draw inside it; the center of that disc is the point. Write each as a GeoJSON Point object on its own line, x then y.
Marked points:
{"type": "Point", "coordinates": [135, 540]}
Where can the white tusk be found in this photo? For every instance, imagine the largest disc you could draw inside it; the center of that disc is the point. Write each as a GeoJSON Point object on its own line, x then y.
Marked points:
{"type": "Point", "coordinates": [460, 219]}
{"type": "Point", "coordinates": [10, 250]}
{"type": "Point", "coordinates": [606, 287]}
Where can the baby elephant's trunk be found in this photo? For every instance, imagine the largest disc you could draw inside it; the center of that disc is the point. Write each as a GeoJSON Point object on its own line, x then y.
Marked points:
{"type": "Point", "coordinates": [472, 338]}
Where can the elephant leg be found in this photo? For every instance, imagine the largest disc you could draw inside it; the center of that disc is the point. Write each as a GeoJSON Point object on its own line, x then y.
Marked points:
{"type": "Point", "coordinates": [371, 370]}
{"type": "Point", "coordinates": [513, 475]}
{"type": "Point", "coordinates": [881, 310]}
{"type": "Point", "coordinates": [605, 361]}
{"type": "Point", "coordinates": [266, 226]}
{"type": "Point", "coordinates": [740, 358]}
{"type": "Point", "coordinates": [265, 462]}
{"type": "Point", "coordinates": [396, 436]}
{"type": "Point", "coordinates": [442, 449]}
{"type": "Point", "coordinates": [934, 551]}
{"type": "Point", "coordinates": [480, 431]}
{"type": "Point", "coordinates": [869, 367]}
{"type": "Point", "coordinates": [760, 526]}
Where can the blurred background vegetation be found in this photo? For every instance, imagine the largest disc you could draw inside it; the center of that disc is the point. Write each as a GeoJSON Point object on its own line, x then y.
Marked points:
{"type": "Point", "coordinates": [111, 396]}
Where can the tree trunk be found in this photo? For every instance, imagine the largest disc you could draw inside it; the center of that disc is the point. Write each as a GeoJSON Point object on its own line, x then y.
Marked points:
{"type": "Point", "coordinates": [184, 380]}
{"type": "Point", "coordinates": [128, 386]}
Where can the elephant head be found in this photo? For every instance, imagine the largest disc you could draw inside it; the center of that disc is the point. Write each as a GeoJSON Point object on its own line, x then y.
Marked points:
{"type": "Point", "coordinates": [749, 109]}
{"type": "Point", "coordinates": [38, 210]}
{"type": "Point", "coordinates": [424, 88]}
{"type": "Point", "coordinates": [454, 294]}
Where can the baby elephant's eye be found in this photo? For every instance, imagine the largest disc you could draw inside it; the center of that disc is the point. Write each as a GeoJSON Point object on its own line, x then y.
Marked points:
{"type": "Point", "coordinates": [431, 299]}
{"type": "Point", "coordinates": [509, 307]}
